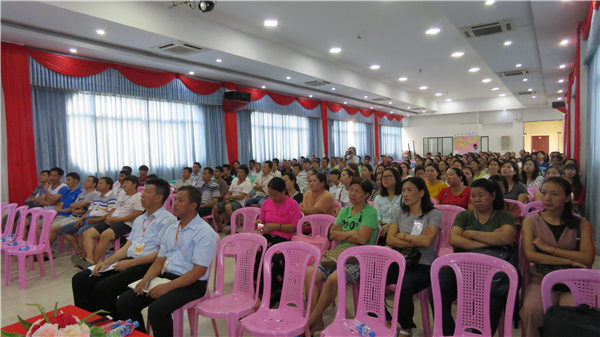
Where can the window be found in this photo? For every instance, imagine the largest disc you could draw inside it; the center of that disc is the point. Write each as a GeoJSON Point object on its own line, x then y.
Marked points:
{"type": "Point", "coordinates": [444, 145]}
{"type": "Point", "coordinates": [391, 141]}
{"type": "Point", "coordinates": [106, 132]}
{"type": "Point", "coordinates": [348, 133]}
{"type": "Point", "coordinates": [278, 136]}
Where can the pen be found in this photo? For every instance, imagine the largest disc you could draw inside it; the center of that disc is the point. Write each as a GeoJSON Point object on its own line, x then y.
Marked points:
{"type": "Point", "coordinates": [148, 283]}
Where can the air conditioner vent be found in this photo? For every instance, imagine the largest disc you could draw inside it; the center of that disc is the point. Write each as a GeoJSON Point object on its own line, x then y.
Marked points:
{"type": "Point", "coordinates": [381, 99]}
{"type": "Point", "coordinates": [511, 73]}
{"type": "Point", "coordinates": [488, 28]}
{"type": "Point", "coordinates": [525, 93]}
{"type": "Point", "coordinates": [179, 48]}
{"type": "Point", "coordinates": [317, 83]}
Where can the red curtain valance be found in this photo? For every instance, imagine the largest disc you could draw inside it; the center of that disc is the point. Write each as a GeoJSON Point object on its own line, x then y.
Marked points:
{"type": "Point", "coordinates": [145, 77]}
{"type": "Point", "coordinates": [67, 65]}
{"type": "Point", "coordinates": [200, 87]}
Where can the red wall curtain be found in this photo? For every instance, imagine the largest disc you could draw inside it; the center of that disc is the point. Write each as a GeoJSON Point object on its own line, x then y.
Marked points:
{"type": "Point", "coordinates": [67, 65]}
{"type": "Point", "coordinates": [376, 126]}
{"type": "Point", "coordinates": [325, 130]}
{"type": "Point", "coordinates": [21, 164]}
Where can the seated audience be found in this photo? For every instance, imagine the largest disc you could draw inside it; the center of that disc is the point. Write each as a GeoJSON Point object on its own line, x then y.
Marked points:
{"type": "Point", "coordinates": [493, 167]}
{"type": "Point", "coordinates": [117, 223]}
{"type": "Point", "coordinates": [55, 190]}
{"type": "Point", "coordinates": [186, 179]}
{"type": "Point", "coordinates": [127, 169]}
{"type": "Point", "coordinates": [553, 239]}
{"type": "Point", "coordinates": [302, 178]}
{"type": "Point", "coordinates": [318, 200]}
{"type": "Point", "coordinates": [196, 175]}
{"type": "Point", "coordinates": [531, 175]}
{"type": "Point", "coordinates": [236, 197]}
{"type": "Point", "coordinates": [343, 196]}
{"type": "Point", "coordinates": [458, 164]}
{"type": "Point", "coordinates": [325, 166]}
{"type": "Point", "coordinates": [63, 207]}
{"type": "Point", "coordinates": [456, 193]}
{"type": "Point", "coordinates": [261, 184]}
{"type": "Point", "coordinates": [542, 159]}
{"type": "Point", "coordinates": [434, 182]}
{"type": "Point", "coordinates": [223, 187]}
{"type": "Point", "coordinates": [389, 198]}
{"type": "Point", "coordinates": [516, 189]}
{"type": "Point", "coordinates": [335, 185]}
{"type": "Point", "coordinates": [97, 213]}
{"type": "Point", "coordinates": [556, 160]}
{"type": "Point", "coordinates": [98, 289]}
{"type": "Point", "coordinates": [184, 257]}
{"type": "Point", "coordinates": [354, 225]}
{"type": "Point", "coordinates": [291, 187]}
{"type": "Point", "coordinates": [34, 198]}
{"type": "Point", "coordinates": [552, 171]}
{"type": "Point", "coordinates": [510, 207]}
{"type": "Point", "coordinates": [443, 166]}
{"type": "Point", "coordinates": [116, 189]}
{"type": "Point", "coordinates": [210, 193]}
{"type": "Point", "coordinates": [572, 176]}
{"type": "Point", "coordinates": [227, 174]}
{"type": "Point", "coordinates": [489, 226]}
{"type": "Point", "coordinates": [254, 171]}
{"type": "Point", "coordinates": [478, 173]}
{"type": "Point", "coordinates": [279, 216]}
{"type": "Point", "coordinates": [366, 173]}
{"type": "Point", "coordinates": [405, 171]}
{"type": "Point", "coordinates": [414, 226]}
{"type": "Point", "coordinates": [143, 175]}
{"type": "Point", "coordinates": [420, 172]}
{"type": "Point", "coordinates": [468, 172]}
{"type": "Point", "coordinates": [379, 169]}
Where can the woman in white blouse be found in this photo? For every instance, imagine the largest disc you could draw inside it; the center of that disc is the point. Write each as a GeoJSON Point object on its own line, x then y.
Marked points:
{"type": "Point", "coordinates": [389, 198]}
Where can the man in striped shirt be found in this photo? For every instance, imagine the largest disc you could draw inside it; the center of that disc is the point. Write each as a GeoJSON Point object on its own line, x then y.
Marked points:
{"type": "Point", "coordinates": [210, 193]}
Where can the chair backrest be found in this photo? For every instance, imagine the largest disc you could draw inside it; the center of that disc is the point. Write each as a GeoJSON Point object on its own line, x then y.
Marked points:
{"type": "Point", "coordinates": [374, 264]}
{"type": "Point", "coordinates": [319, 224]}
{"type": "Point", "coordinates": [449, 212]}
{"type": "Point", "coordinates": [533, 207]}
{"type": "Point", "coordinates": [12, 210]}
{"type": "Point", "coordinates": [47, 218]}
{"type": "Point", "coordinates": [36, 213]}
{"type": "Point", "coordinates": [474, 274]}
{"type": "Point", "coordinates": [518, 203]}
{"type": "Point", "coordinates": [338, 205]}
{"type": "Point", "coordinates": [140, 189]}
{"type": "Point", "coordinates": [249, 215]}
{"type": "Point", "coordinates": [24, 213]}
{"type": "Point", "coordinates": [532, 190]}
{"type": "Point", "coordinates": [243, 247]}
{"type": "Point", "coordinates": [168, 205]}
{"type": "Point", "coordinates": [584, 284]}
{"type": "Point", "coordinates": [296, 255]}
{"type": "Point", "coordinates": [434, 201]}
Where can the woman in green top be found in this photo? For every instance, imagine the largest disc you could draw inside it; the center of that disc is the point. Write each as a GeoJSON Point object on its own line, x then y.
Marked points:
{"type": "Point", "coordinates": [356, 224]}
{"type": "Point", "coordinates": [488, 225]}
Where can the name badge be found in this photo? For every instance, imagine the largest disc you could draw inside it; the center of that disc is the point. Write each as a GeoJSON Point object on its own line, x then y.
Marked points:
{"type": "Point", "coordinates": [115, 213]}
{"type": "Point", "coordinates": [417, 227]}
{"type": "Point", "coordinates": [138, 249]}
{"type": "Point", "coordinates": [165, 265]}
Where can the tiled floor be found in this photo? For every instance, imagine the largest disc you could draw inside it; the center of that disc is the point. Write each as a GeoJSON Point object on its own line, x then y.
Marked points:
{"type": "Point", "coordinates": [46, 291]}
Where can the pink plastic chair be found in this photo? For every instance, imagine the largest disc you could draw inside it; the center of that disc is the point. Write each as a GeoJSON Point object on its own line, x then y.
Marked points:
{"type": "Point", "coordinates": [474, 273]}
{"type": "Point", "coordinates": [533, 207]}
{"type": "Point", "coordinates": [290, 318]}
{"type": "Point", "coordinates": [532, 190]}
{"type": "Point", "coordinates": [517, 202]}
{"type": "Point", "coordinates": [168, 205]}
{"type": "Point", "coordinates": [584, 284]}
{"type": "Point", "coordinates": [242, 300]}
{"type": "Point", "coordinates": [319, 224]}
{"type": "Point", "coordinates": [338, 205]}
{"type": "Point", "coordinates": [10, 232]}
{"type": "Point", "coordinates": [449, 212]}
{"type": "Point", "coordinates": [18, 235]}
{"type": "Point", "coordinates": [434, 201]}
{"type": "Point", "coordinates": [140, 189]}
{"type": "Point", "coordinates": [249, 214]}
{"type": "Point", "coordinates": [6, 208]}
{"type": "Point", "coordinates": [211, 220]}
{"type": "Point", "coordinates": [32, 247]}
{"type": "Point", "coordinates": [374, 264]}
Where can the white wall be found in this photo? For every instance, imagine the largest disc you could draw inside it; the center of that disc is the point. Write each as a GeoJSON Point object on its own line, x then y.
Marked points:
{"type": "Point", "coordinates": [492, 124]}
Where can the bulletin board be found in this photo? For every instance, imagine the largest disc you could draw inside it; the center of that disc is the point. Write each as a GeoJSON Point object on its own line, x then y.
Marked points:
{"type": "Point", "coordinates": [464, 144]}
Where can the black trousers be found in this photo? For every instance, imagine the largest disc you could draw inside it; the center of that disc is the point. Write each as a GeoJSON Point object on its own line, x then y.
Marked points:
{"type": "Point", "coordinates": [205, 211]}
{"type": "Point", "coordinates": [415, 279]}
{"type": "Point", "coordinates": [449, 293]}
{"type": "Point", "coordinates": [130, 305]}
{"type": "Point", "coordinates": [100, 292]}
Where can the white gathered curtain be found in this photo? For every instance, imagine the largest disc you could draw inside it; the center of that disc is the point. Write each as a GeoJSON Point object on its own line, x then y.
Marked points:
{"type": "Point", "coordinates": [279, 136]}
{"type": "Point", "coordinates": [391, 141]}
{"type": "Point", "coordinates": [348, 133]}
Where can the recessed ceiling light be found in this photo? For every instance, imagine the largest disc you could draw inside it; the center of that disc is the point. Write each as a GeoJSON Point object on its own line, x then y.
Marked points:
{"type": "Point", "coordinates": [560, 91]}
{"type": "Point", "coordinates": [100, 31]}
{"type": "Point", "coordinates": [448, 99]}
{"type": "Point", "coordinates": [518, 65]}
{"type": "Point", "coordinates": [73, 50]}
{"type": "Point", "coordinates": [335, 50]}
{"type": "Point", "coordinates": [288, 77]}
{"type": "Point", "coordinates": [438, 94]}
{"type": "Point", "coordinates": [366, 96]}
{"type": "Point", "coordinates": [564, 42]}
{"type": "Point", "coordinates": [371, 108]}
{"type": "Point", "coordinates": [408, 107]}
{"type": "Point", "coordinates": [345, 102]}
{"type": "Point", "coordinates": [561, 81]}
{"type": "Point", "coordinates": [559, 98]}
{"type": "Point", "coordinates": [525, 79]}
{"type": "Point", "coordinates": [432, 31]}
{"type": "Point", "coordinates": [457, 54]}
{"type": "Point", "coordinates": [502, 95]}
{"type": "Point", "coordinates": [310, 95]}
{"type": "Point", "coordinates": [486, 80]}
{"type": "Point", "coordinates": [530, 89]}
{"type": "Point", "coordinates": [392, 111]}
{"type": "Point", "coordinates": [423, 87]}
{"type": "Point", "coordinates": [390, 102]}
{"type": "Point", "coordinates": [495, 89]}
{"type": "Point", "coordinates": [219, 60]}
{"type": "Point", "coordinates": [270, 23]}
{"type": "Point", "coordinates": [375, 67]}
{"type": "Point", "coordinates": [263, 86]}
{"type": "Point", "coordinates": [474, 70]}
{"type": "Point", "coordinates": [507, 43]}
{"type": "Point", "coordinates": [534, 96]}
{"type": "Point", "coordinates": [424, 111]}
{"type": "Point", "coordinates": [333, 89]}
{"type": "Point", "coordinates": [402, 79]}
{"type": "Point", "coordinates": [489, 2]}
{"type": "Point", "coordinates": [190, 73]}
{"type": "Point", "coordinates": [563, 66]}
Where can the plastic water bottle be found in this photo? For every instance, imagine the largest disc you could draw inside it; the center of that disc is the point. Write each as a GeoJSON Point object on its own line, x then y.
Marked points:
{"type": "Point", "coordinates": [114, 325]}
{"type": "Point", "coordinates": [359, 328]}
{"type": "Point", "coordinates": [24, 249]}
{"type": "Point", "coordinates": [124, 330]}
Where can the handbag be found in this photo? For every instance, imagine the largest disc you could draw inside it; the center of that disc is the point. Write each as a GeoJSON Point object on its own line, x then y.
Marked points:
{"type": "Point", "coordinates": [411, 256]}
{"type": "Point", "coordinates": [330, 257]}
{"type": "Point", "coordinates": [580, 321]}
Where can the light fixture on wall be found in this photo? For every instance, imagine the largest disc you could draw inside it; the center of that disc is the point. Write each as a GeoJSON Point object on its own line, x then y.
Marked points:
{"type": "Point", "coordinates": [203, 6]}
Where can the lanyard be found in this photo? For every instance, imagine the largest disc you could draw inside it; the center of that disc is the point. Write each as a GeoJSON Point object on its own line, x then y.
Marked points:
{"type": "Point", "coordinates": [177, 234]}
{"type": "Point", "coordinates": [479, 224]}
{"type": "Point", "coordinates": [122, 203]}
{"type": "Point", "coordinates": [144, 226]}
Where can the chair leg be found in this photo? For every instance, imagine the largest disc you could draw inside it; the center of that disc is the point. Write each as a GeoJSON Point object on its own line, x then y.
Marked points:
{"type": "Point", "coordinates": [232, 327]}
{"type": "Point", "coordinates": [30, 261]}
{"type": "Point", "coordinates": [40, 258]}
{"type": "Point", "coordinates": [214, 324]}
{"type": "Point", "coordinates": [22, 266]}
{"type": "Point", "coordinates": [7, 262]}
{"type": "Point", "coordinates": [193, 319]}
{"type": "Point", "coordinates": [424, 301]}
{"type": "Point", "coordinates": [178, 322]}
{"type": "Point", "coordinates": [51, 260]}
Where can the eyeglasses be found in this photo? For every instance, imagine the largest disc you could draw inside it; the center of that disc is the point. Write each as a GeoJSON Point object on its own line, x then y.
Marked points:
{"type": "Point", "coordinates": [390, 176]}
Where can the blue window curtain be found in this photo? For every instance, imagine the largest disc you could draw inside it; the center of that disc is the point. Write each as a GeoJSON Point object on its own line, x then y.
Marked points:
{"type": "Point", "coordinates": [592, 164]}
{"type": "Point", "coordinates": [244, 126]}
{"type": "Point", "coordinates": [279, 136]}
{"type": "Point", "coordinates": [390, 141]}
{"type": "Point", "coordinates": [349, 133]}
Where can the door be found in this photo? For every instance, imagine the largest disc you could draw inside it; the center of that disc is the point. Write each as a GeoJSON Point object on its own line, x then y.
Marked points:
{"type": "Point", "coordinates": [540, 143]}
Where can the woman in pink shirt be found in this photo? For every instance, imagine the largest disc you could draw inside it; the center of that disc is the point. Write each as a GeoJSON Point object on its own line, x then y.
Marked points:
{"type": "Point", "coordinates": [279, 214]}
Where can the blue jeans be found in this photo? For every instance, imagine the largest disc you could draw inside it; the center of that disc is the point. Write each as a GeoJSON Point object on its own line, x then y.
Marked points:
{"type": "Point", "coordinates": [256, 200]}
{"type": "Point", "coordinates": [70, 228]}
